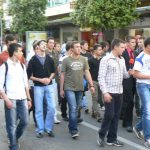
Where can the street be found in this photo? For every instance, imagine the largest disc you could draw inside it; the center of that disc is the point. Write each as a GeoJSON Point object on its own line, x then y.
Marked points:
{"type": "Point", "coordinates": [63, 141]}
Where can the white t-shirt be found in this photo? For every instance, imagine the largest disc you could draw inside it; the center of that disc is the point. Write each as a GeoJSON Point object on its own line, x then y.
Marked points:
{"type": "Point", "coordinates": [142, 64]}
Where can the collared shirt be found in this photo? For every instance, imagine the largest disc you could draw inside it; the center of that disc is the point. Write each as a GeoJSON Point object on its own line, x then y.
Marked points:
{"type": "Point", "coordinates": [112, 70]}
{"type": "Point", "coordinates": [16, 80]}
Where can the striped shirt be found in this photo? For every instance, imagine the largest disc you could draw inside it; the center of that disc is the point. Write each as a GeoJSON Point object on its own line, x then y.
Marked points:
{"type": "Point", "coordinates": [112, 70]}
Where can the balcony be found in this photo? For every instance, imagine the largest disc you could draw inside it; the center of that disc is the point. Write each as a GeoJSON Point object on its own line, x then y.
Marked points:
{"type": "Point", "coordinates": [53, 3]}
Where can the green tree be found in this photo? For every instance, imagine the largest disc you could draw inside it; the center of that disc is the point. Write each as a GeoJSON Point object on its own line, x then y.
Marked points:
{"type": "Point", "coordinates": [104, 14]}
{"type": "Point", "coordinates": [27, 15]}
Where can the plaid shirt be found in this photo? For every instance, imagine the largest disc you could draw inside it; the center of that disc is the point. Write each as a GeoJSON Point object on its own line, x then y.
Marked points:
{"type": "Point", "coordinates": [112, 70]}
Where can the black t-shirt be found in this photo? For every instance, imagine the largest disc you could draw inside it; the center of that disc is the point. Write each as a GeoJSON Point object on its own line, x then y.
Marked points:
{"type": "Point", "coordinates": [87, 55]}
{"type": "Point", "coordinates": [94, 67]}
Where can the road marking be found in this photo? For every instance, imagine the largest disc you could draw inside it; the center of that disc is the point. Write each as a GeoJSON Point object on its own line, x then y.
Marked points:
{"type": "Point", "coordinates": [132, 144]}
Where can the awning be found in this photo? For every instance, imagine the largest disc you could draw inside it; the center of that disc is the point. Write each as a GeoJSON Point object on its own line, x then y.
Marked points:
{"type": "Point", "coordinates": [60, 21]}
{"type": "Point", "coordinates": [145, 9]}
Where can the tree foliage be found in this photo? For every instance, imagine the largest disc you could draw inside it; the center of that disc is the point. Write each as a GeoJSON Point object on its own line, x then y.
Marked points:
{"type": "Point", "coordinates": [104, 14]}
{"type": "Point", "coordinates": [27, 15]}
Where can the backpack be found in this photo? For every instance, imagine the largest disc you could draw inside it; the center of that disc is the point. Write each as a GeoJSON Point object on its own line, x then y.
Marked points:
{"type": "Point", "coordinates": [6, 66]}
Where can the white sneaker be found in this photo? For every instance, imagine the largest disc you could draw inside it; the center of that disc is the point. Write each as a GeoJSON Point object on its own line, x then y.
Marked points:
{"type": "Point", "coordinates": [56, 121]}
{"type": "Point", "coordinates": [147, 143]}
{"type": "Point", "coordinates": [102, 108]}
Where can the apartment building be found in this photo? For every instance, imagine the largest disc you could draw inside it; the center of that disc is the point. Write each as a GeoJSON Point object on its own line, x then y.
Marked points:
{"type": "Point", "coordinates": [60, 25]}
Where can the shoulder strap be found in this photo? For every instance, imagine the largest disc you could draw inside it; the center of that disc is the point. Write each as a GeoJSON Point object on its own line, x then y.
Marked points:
{"type": "Point", "coordinates": [22, 66]}
{"type": "Point", "coordinates": [6, 66]}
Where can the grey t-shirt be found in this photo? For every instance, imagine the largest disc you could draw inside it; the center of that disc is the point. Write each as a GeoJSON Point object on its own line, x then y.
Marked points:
{"type": "Point", "coordinates": [41, 59]}
{"type": "Point", "coordinates": [74, 71]}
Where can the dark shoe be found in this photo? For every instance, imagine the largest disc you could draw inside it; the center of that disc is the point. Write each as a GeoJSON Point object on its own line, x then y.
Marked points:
{"type": "Point", "coordinates": [100, 141]}
{"type": "Point", "coordinates": [129, 129]}
{"type": "Point", "coordinates": [75, 135]}
{"type": "Point", "coordinates": [50, 134]}
{"type": "Point", "coordinates": [124, 125]}
{"type": "Point", "coordinates": [87, 111]}
{"type": "Point", "coordinates": [115, 143]}
{"type": "Point", "coordinates": [139, 134]}
{"type": "Point", "coordinates": [39, 135]}
{"type": "Point", "coordinates": [99, 120]}
{"type": "Point", "coordinates": [79, 120]}
{"type": "Point", "coordinates": [93, 115]}
{"type": "Point", "coordinates": [65, 118]}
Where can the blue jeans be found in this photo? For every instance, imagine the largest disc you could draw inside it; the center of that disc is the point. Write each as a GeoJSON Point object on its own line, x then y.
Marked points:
{"type": "Point", "coordinates": [42, 93]}
{"type": "Point", "coordinates": [143, 91]}
{"type": "Point", "coordinates": [14, 129]}
{"type": "Point", "coordinates": [74, 100]}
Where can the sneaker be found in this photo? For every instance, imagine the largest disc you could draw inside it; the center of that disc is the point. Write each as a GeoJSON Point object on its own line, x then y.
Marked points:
{"type": "Point", "coordinates": [50, 134]}
{"type": "Point", "coordinates": [56, 121]}
{"type": "Point", "coordinates": [147, 143]}
{"type": "Point", "coordinates": [79, 120]}
{"type": "Point", "coordinates": [115, 143]}
{"type": "Point", "coordinates": [99, 120]}
{"type": "Point", "coordinates": [86, 111]}
{"type": "Point", "coordinates": [139, 134]}
{"type": "Point", "coordinates": [100, 141]}
{"type": "Point", "coordinates": [102, 108]}
{"type": "Point", "coordinates": [65, 118]}
{"type": "Point", "coordinates": [74, 135]}
{"type": "Point", "coordinates": [129, 129]}
{"type": "Point", "coordinates": [93, 115]}
{"type": "Point", "coordinates": [39, 135]}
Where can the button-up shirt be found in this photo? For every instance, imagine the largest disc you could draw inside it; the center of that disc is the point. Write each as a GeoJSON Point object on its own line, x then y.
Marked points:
{"type": "Point", "coordinates": [112, 70]}
{"type": "Point", "coordinates": [16, 80]}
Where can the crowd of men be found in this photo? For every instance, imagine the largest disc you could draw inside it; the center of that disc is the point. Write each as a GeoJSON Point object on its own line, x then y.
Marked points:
{"type": "Point", "coordinates": [116, 74]}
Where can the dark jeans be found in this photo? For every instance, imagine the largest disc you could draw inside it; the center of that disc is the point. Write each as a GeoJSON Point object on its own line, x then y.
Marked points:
{"type": "Point", "coordinates": [63, 107]}
{"type": "Point", "coordinates": [62, 102]}
{"type": "Point", "coordinates": [33, 107]}
{"type": "Point", "coordinates": [137, 104]}
{"type": "Point", "coordinates": [127, 107]}
{"type": "Point", "coordinates": [111, 117]}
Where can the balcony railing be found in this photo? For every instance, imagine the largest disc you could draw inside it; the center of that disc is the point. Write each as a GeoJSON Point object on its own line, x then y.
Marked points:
{"type": "Point", "coordinates": [53, 3]}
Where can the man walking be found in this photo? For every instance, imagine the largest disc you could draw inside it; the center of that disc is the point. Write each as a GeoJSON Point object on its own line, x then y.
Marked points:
{"type": "Point", "coordinates": [142, 73]}
{"type": "Point", "coordinates": [112, 70]}
{"type": "Point", "coordinates": [13, 78]}
{"type": "Point", "coordinates": [71, 83]}
{"type": "Point", "coordinates": [41, 70]}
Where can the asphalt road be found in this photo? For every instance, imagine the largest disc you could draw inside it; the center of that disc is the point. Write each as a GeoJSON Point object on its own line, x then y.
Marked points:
{"type": "Point", "coordinates": [63, 141]}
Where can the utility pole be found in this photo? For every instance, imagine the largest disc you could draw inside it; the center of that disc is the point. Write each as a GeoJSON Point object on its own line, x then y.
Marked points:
{"type": "Point", "coordinates": [1, 24]}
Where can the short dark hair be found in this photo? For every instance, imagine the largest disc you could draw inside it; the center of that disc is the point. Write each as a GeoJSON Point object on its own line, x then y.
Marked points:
{"type": "Point", "coordinates": [104, 44]}
{"type": "Point", "coordinates": [116, 42]}
{"type": "Point", "coordinates": [128, 38]}
{"type": "Point", "coordinates": [68, 46]}
{"type": "Point", "coordinates": [34, 44]}
{"type": "Point", "coordinates": [9, 37]}
{"type": "Point", "coordinates": [39, 42]}
{"type": "Point", "coordinates": [96, 46]}
{"type": "Point", "coordinates": [13, 47]}
{"type": "Point", "coordinates": [73, 43]}
{"type": "Point", "coordinates": [50, 38]}
{"type": "Point", "coordinates": [83, 42]}
{"type": "Point", "coordinates": [147, 42]}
